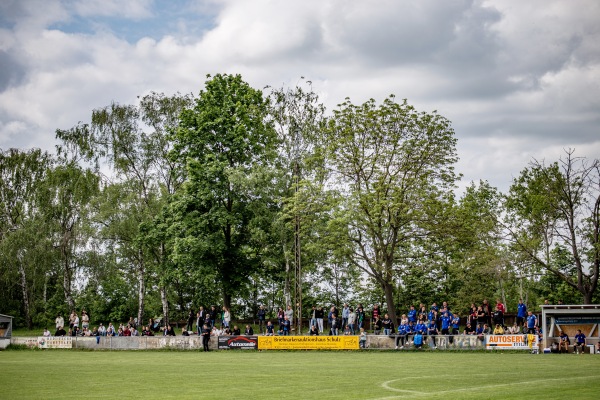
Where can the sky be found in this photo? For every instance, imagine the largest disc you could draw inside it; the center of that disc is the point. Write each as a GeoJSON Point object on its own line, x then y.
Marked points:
{"type": "Point", "coordinates": [520, 80]}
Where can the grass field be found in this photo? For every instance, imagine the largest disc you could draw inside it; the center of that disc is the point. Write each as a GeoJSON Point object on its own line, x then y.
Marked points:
{"type": "Point", "coordinates": [61, 374]}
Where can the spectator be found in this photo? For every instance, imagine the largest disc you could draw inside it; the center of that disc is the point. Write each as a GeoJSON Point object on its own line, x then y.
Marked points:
{"type": "Point", "coordinates": [498, 316]}
{"type": "Point", "coordinates": [169, 331]}
{"type": "Point", "coordinates": [110, 331]}
{"type": "Point", "coordinates": [531, 323]}
{"type": "Point", "coordinates": [521, 313]}
{"type": "Point", "coordinates": [46, 333]}
{"type": "Point", "coordinates": [401, 335]}
{"type": "Point", "coordinates": [280, 316]}
{"type": "Point", "coordinates": [236, 331]}
{"type": "Point", "coordinates": [205, 336]}
{"type": "Point", "coordinates": [498, 330]}
{"type": "Point", "coordinates": [286, 327]}
{"type": "Point", "coordinates": [387, 325]}
{"type": "Point", "coordinates": [334, 324]}
{"type": "Point", "coordinates": [314, 331]}
{"type": "Point", "coordinates": [190, 320]}
{"type": "Point", "coordinates": [132, 322]}
{"type": "Point", "coordinates": [249, 331]}
{"type": "Point", "coordinates": [377, 326]}
{"type": "Point", "coordinates": [376, 313]}
{"type": "Point", "coordinates": [75, 323]}
{"type": "Point", "coordinates": [60, 332]}
{"type": "Point", "coordinates": [102, 330]}
{"type": "Point", "coordinates": [469, 330]}
{"type": "Point", "coordinates": [320, 314]}
{"type": "Point", "coordinates": [347, 331]}
{"type": "Point", "coordinates": [270, 331]}
{"type": "Point", "coordinates": [422, 313]}
{"type": "Point", "coordinates": [85, 320]}
{"type": "Point", "coordinates": [362, 340]}
{"type": "Point", "coordinates": [262, 316]}
{"type": "Point", "coordinates": [146, 331]}
{"type": "Point", "coordinates": [352, 321]}
{"type": "Point", "coordinates": [563, 342]}
{"type": "Point", "coordinates": [59, 322]}
{"type": "Point", "coordinates": [226, 317]}
{"type": "Point", "coordinates": [213, 315]}
{"type": "Point", "coordinates": [289, 313]}
{"type": "Point", "coordinates": [184, 332]}
{"type": "Point", "coordinates": [579, 342]}
{"type": "Point", "coordinates": [127, 331]}
{"type": "Point", "coordinates": [412, 314]}
{"type": "Point", "coordinates": [446, 320]}
{"type": "Point", "coordinates": [360, 316]}
{"type": "Point", "coordinates": [345, 315]}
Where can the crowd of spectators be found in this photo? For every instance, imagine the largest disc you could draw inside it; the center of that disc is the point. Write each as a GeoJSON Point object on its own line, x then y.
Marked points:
{"type": "Point", "coordinates": [412, 327]}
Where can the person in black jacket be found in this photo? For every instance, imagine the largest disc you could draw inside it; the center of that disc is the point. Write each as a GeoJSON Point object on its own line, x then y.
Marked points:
{"type": "Point", "coordinates": [205, 336]}
{"type": "Point", "coordinates": [249, 331]}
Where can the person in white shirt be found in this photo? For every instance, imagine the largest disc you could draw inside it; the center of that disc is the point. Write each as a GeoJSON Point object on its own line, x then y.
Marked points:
{"type": "Point", "coordinates": [46, 332]}
{"type": "Point", "coordinates": [59, 321]}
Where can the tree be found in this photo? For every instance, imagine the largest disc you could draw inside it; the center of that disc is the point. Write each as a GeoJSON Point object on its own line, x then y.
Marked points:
{"type": "Point", "coordinates": [142, 177]}
{"type": "Point", "coordinates": [556, 207]}
{"type": "Point", "coordinates": [227, 146]}
{"type": "Point", "coordinates": [391, 163]}
{"type": "Point", "coordinates": [23, 241]}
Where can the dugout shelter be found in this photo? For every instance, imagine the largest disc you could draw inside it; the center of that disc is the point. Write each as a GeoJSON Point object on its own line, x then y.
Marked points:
{"type": "Point", "coordinates": [569, 318]}
{"type": "Point", "coordinates": [5, 330]}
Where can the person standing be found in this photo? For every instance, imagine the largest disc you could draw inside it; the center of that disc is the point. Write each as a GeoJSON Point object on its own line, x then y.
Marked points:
{"type": "Point", "coordinates": [531, 323]}
{"type": "Point", "coordinates": [345, 315]}
{"type": "Point", "coordinates": [59, 321]}
{"type": "Point", "coordinates": [360, 316]}
{"type": "Point", "coordinates": [226, 317]}
{"type": "Point", "coordinates": [312, 317]}
{"type": "Point", "coordinates": [521, 313]}
{"type": "Point", "coordinates": [289, 313]}
{"type": "Point", "coordinates": [352, 321]}
{"type": "Point", "coordinates": [262, 316]}
{"type": "Point", "coordinates": [320, 314]}
{"type": "Point", "coordinates": [205, 337]}
{"type": "Point", "coordinates": [190, 320]}
{"type": "Point", "coordinates": [286, 326]}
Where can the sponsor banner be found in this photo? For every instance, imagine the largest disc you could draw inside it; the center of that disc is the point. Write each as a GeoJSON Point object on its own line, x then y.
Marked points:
{"type": "Point", "coordinates": [238, 342]}
{"type": "Point", "coordinates": [55, 342]}
{"type": "Point", "coordinates": [308, 343]}
{"type": "Point", "coordinates": [577, 320]}
{"type": "Point", "coordinates": [511, 342]}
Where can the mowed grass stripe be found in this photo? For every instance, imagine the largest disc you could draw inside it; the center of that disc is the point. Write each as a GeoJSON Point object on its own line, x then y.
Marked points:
{"type": "Point", "coordinates": [58, 374]}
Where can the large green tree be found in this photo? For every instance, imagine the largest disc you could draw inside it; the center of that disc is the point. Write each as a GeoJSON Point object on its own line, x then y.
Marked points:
{"type": "Point", "coordinates": [25, 254]}
{"type": "Point", "coordinates": [131, 142]}
{"type": "Point", "coordinates": [556, 208]}
{"type": "Point", "coordinates": [393, 165]}
{"type": "Point", "coordinates": [228, 147]}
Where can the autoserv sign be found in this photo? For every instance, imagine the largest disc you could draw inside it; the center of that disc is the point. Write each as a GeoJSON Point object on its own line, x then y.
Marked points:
{"type": "Point", "coordinates": [308, 342]}
{"type": "Point", "coordinates": [511, 342]}
{"type": "Point", "coordinates": [238, 342]}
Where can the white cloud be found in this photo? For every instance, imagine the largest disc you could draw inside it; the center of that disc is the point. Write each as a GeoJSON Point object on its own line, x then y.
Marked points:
{"type": "Point", "coordinates": [518, 79]}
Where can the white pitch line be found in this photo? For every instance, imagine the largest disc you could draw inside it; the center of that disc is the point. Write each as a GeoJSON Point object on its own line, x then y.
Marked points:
{"type": "Point", "coordinates": [414, 393]}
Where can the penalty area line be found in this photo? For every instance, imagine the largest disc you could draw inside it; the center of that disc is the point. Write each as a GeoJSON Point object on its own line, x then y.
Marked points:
{"type": "Point", "coordinates": [414, 393]}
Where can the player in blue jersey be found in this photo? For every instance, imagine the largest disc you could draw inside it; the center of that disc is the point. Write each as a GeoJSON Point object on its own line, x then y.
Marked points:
{"type": "Point", "coordinates": [521, 312]}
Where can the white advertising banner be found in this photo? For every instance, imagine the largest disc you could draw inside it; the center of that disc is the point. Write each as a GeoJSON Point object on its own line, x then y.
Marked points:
{"type": "Point", "coordinates": [55, 342]}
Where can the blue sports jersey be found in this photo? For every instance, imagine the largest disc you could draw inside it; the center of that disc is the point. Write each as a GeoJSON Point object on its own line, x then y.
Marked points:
{"type": "Point", "coordinates": [531, 319]}
{"type": "Point", "coordinates": [521, 310]}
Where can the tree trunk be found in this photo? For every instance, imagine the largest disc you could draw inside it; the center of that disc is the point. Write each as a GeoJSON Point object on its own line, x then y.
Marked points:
{"type": "Point", "coordinates": [26, 303]}
{"type": "Point", "coordinates": [67, 285]}
{"type": "Point", "coordinates": [141, 293]}
{"type": "Point", "coordinates": [286, 288]}
{"type": "Point", "coordinates": [388, 289]}
{"type": "Point", "coordinates": [165, 304]}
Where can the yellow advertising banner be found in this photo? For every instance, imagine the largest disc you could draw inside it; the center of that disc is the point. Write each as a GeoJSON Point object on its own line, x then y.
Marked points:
{"type": "Point", "coordinates": [308, 343]}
